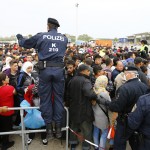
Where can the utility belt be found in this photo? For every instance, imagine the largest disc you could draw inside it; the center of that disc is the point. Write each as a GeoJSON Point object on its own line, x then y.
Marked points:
{"type": "Point", "coordinates": [137, 137]}
{"type": "Point", "coordinates": [45, 64]}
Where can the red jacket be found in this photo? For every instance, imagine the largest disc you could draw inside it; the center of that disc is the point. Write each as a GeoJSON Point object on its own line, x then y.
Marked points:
{"type": "Point", "coordinates": [7, 98]}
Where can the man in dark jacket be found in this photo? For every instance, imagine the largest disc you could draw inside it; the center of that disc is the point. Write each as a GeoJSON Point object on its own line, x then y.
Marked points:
{"type": "Point", "coordinates": [138, 63]}
{"type": "Point", "coordinates": [81, 114]}
{"type": "Point", "coordinates": [69, 74]}
{"type": "Point", "coordinates": [125, 100]}
{"type": "Point", "coordinates": [140, 120]}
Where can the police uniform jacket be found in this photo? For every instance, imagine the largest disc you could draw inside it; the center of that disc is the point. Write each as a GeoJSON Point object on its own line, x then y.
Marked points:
{"type": "Point", "coordinates": [80, 95]}
{"type": "Point", "coordinates": [127, 96]}
{"type": "Point", "coordinates": [140, 118]}
{"type": "Point", "coordinates": [51, 45]}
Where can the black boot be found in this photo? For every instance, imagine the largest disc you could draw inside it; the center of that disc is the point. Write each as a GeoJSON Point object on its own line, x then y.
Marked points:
{"type": "Point", "coordinates": [49, 130]}
{"type": "Point", "coordinates": [8, 145]}
{"type": "Point", "coordinates": [58, 131]}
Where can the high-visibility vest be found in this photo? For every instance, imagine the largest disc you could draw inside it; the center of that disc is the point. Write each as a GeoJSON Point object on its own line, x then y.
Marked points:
{"type": "Point", "coordinates": [143, 47]}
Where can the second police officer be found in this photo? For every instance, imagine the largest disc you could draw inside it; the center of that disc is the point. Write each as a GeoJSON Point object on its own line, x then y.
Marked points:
{"type": "Point", "coordinates": [128, 95]}
{"type": "Point", "coordinates": [51, 48]}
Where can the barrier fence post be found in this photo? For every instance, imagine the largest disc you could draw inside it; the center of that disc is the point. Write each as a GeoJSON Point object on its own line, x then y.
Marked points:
{"type": "Point", "coordinates": [67, 128]}
{"type": "Point", "coordinates": [23, 132]}
{"type": "Point", "coordinates": [22, 129]}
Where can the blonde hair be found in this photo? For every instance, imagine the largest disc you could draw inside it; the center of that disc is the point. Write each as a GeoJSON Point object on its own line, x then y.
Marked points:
{"type": "Point", "coordinates": [100, 84]}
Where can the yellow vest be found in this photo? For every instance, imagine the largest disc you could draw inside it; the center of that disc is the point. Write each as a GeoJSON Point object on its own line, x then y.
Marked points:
{"type": "Point", "coordinates": [143, 47]}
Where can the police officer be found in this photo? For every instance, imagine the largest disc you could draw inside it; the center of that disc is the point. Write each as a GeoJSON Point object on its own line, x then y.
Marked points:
{"type": "Point", "coordinates": [51, 48]}
{"type": "Point", "coordinates": [144, 49]}
{"type": "Point", "coordinates": [140, 120]}
{"type": "Point", "coordinates": [126, 98]}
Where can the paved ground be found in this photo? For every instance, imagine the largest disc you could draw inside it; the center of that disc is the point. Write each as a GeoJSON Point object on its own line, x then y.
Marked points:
{"type": "Point", "coordinates": [37, 144]}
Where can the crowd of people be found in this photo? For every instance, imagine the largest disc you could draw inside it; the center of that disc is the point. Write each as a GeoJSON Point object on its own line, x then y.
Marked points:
{"type": "Point", "coordinates": [118, 76]}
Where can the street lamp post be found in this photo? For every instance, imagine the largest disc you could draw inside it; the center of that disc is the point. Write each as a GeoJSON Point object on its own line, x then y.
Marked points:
{"type": "Point", "coordinates": [76, 5]}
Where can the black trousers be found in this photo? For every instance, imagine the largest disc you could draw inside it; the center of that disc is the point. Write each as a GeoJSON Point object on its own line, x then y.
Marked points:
{"type": "Point", "coordinates": [86, 128]}
{"type": "Point", "coordinates": [43, 134]}
{"type": "Point", "coordinates": [5, 126]}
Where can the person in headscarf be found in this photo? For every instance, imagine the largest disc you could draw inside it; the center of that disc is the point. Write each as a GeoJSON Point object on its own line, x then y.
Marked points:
{"type": "Point", "coordinates": [7, 66]}
{"type": "Point", "coordinates": [101, 122]}
{"type": "Point", "coordinates": [24, 80]}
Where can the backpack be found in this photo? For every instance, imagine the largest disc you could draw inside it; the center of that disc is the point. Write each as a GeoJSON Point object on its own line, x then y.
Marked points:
{"type": "Point", "coordinates": [110, 86]}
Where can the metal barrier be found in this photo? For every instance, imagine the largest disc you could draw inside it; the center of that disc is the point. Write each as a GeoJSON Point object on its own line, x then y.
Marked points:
{"type": "Point", "coordinates": [23, 131]}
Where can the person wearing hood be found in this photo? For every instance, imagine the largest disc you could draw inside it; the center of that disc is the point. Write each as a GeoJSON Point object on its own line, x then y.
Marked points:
{"type": "Point", "coordinates": [24, 80]}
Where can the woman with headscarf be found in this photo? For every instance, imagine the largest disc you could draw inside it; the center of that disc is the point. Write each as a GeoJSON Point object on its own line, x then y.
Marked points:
{"type": "Point", "coordinates": [101, 122]}
{"type": "Point", "coordinates": [7, 65]}
{"type": "Point", "coordinates": [24, 80]}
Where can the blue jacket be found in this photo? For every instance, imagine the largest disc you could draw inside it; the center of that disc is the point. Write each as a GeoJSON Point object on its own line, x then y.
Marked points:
{"type": "Point", "coordinates": [51, 45]}
{"type": "Point", "coordinates": [140, 118]}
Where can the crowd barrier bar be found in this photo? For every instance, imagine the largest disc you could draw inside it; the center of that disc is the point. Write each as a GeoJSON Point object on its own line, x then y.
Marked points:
{"type": "Point", "coordinates": [23, 132]}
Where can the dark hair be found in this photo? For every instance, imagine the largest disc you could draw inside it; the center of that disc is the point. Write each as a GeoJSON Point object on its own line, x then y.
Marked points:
{"type": "Point", "coordinates": [75, 58]}
{"type": "Point", "coordinates": [2, 78]}
{"type": "Point", "coordinates": [29, 54]}
{"type": "Point", "coordinates": [96, 69]}
{"type": "Point", "coordinates": [108, 61]}
{"type": "Point", "coordinates": [115, 60]}
{"type": "Point", "coordinates": [13, 62]}
{"type": "Point", "coordinates": [88, 61]}
{"type": "Point", "coordinates": [97, 56]}
{"type": "Point", "coordinates": [138, 60]}
{"type": "Point", "coordinates": [143, 68]}
{"type": "Point", "coordinates": [130, 54]}
{"type": "Point", "coordinates": [52, 26]}
{"type": "Point", "coordinates": [144, 41]}
{"type": "Point", "coordinates": [70, 62]}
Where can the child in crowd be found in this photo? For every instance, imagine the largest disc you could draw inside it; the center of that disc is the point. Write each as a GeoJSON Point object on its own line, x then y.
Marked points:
{"type": "Point", "coordinates": [24, 80]}
{"type": "Point", "coordinates": [32, 97]}
{"type": "Point", "coordinates": [6, 99]}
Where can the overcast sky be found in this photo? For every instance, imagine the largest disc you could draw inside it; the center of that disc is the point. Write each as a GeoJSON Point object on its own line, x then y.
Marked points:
{"type": "Point", "coordinates": [97, 18]}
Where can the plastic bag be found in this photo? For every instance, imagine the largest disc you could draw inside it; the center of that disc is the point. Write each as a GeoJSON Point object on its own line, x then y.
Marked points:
{"type": "Point", "coordinates": [111, 133]}
{"type": "Point", "coordinates": [25, 103]}
{"type": "Point", "coordinates": [34, 120]}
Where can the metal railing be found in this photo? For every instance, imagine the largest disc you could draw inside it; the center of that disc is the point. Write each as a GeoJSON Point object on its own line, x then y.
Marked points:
{"type": "Point", "coordinates": [23, 131]}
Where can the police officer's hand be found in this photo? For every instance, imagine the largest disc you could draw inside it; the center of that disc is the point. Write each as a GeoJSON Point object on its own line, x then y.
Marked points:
{"type": "Point", "coordinates": [19, 36]}
{"type": "Point", "coordinates": [101, 100]}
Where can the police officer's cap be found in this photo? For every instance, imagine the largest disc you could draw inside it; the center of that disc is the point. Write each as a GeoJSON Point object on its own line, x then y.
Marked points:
{"type": "Point", "coordinates": [130, 68]}
{"type": "Point", "coordinates": [83, 67]}
{"type": "Point", "coordinates": [53, 21]}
